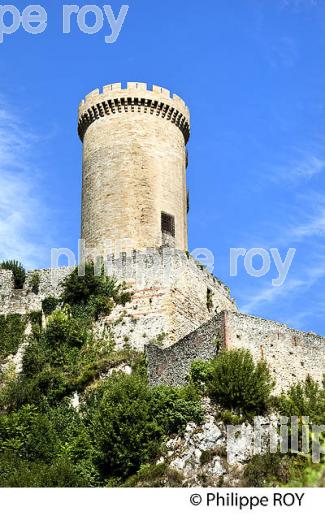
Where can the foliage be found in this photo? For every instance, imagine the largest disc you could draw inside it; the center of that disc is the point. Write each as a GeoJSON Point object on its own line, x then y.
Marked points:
{"type": "Point", "coordinates": [292, 470]}
{"type": "Point", "coordinates": [34, 282]}
{"type": "Point", "coordinates": [94, 291]}
{"type": "Point", "coordinates": [49, 305]}
{"type": "Point", "coordinates": [50, 449]}
{"type": "Point", "coordinates": [129, 421]}
{"type": "Point", "coordinates": [121, 422]}
{"type": "Point", "coordinates": [173, 408]}
{"type": "Point", "coordinates": [231, 418]}
{"type": "Point", "coordinates": [155, 476]}
{"type": "Point", "coordinates": [12, 328]}
{"type": "Point", "coordinates": [52, 358]}
{"type": "Point", "coordinates": [234, 381]}
{"type": "Point", "coordinates": [201, 373]}
{"type": "Point", "coordinates": [17, 472]}
{"type": "Point", "coordinates": [18, 272]}
{"type": "Point", "coordinates": [263, 469]}
{"type": "Point", "coordinates": [303, 399]}
{"type": "Point", "coordinates": [36, 321]}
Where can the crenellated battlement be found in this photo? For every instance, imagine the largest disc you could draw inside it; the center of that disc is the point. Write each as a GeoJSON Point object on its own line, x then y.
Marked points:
{"type": "Point", "coordinates": [136, 97]}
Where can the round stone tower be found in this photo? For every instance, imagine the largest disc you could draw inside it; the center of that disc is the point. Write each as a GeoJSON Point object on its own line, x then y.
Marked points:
{"type": "Point", "coordinates": [134, 168]}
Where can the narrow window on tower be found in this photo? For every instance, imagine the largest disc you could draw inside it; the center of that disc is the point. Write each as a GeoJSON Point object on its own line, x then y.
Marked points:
{"type": "Point", "coordinates": [168, 224]}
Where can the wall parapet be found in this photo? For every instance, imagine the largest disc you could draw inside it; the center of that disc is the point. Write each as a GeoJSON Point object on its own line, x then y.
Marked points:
{"type": "Point", "coordinates": [113, 100]}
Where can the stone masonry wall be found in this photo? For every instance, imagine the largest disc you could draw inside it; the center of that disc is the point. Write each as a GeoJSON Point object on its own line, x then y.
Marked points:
{"type": "Point", "coordinates": [134, 166]}
{"type": "Point", "coordinates": [169, 297]}
{"type": "Point", "coordinates": [290, 354]}
{"type": "Point", "coordinates": [24, 301]}
{"type": "Point", "coordinates": [171, 366]}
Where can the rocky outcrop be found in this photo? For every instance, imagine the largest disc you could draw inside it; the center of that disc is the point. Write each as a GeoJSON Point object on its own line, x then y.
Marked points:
{"type": "Point", "coordinates": [214, 454]}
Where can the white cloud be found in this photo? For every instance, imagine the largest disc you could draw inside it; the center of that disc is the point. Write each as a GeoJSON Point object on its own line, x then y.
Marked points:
{"type": "Point", "coordinates": [22, 212]}
{"type": "Point", "coordinates": [314, 226]}
{"type": "Point", "coordinates": [291, 288]}
{"type": "Point", "coordinates": [270, 294]}
{"type": "Point", "coordinates": [302, 226]}
{"type": "Point", "coordinates": [304, 168]}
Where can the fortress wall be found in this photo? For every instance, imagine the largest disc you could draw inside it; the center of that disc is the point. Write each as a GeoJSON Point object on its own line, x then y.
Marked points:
{"type": "Point", "coordinates": [169, 296]}
{"type": "Point", "coordinates": [290, 354]}
{"type": "Point", "coordinates": [194, 299]}
{"type": "Point", "coordinates": [171, 366]}
{"type": "Point", "coordinates": [24, 301]}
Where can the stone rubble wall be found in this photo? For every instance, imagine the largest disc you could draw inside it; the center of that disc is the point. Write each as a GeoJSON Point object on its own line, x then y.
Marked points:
{"type": "Point", "coordinates": [24, 301]}
{"type": "Point", "coordinates": [171, 366]}
{"type": "Point", "coordinates": [169, 296]}
{"type": "Point", "coordinates": [290, 354]}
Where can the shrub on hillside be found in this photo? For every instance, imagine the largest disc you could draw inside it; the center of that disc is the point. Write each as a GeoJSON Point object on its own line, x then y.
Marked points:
{"type": "Point", "coordinates": [155, 476]}
{"type": "Point", "coordinates": [267, 469]}
{"type": "Point", "coordinates": [51, 448]}
{"type": "Point", "coordinates": [235, 381]}
{"type": "Point", "coordinates": [129, 420]}
{"type": "Point", "coordinates": [49, 305]}
{"type": "Point", "coordinates": [18, 272]}
{"type": "Point", "coordinates": [306, 398]}
{"type": "Point", "coordinates": [12, 328]}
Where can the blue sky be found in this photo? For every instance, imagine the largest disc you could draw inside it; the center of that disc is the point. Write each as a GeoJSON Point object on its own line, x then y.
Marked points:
{"type": "Point", "coordinates": [252, 73]}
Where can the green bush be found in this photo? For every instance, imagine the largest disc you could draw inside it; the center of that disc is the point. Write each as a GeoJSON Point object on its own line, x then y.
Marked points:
{"type": "Point", "coordinates": [201, 373]}
{"type": "Point", "coordinates": [155, 476]}
{"type": "Point", "coordinates": [48, 449]}
{"type": "Point", "coordinates": [303, 399]}
{"type": "Point", "coordinates": [268, 469]}
{"type": "Point", "coordinates": [34, 282]}
{"type": "Point", "coordinates": [97, 293]}
{"type": "Point", "coordinates": [12, 328]}
{"type": "Point", "coordinates": [35, 317]}
{"type": "Point", "coordinates": [18, 272]}
{"type": "Point", "coordinates": [124, 432]}
{"type": "Point", "coordinates": [129, 421]}
{"type": "Point", "coordinates": [234, 381]}
{"type": "Point", "coordinates": [49, 305]}
{"type": "Point", "coordinates": [173, 408]}
{"type": "Point", "coordinates": [20, 473]}
{"type": "Point", "coordinates": [276, 470]}
{"type": "Point", "coordinates": [51, 363]}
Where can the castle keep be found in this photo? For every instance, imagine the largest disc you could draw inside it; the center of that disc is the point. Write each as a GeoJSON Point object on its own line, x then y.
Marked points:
{"type": "Point", "coordinates": [134, 168]}
{"type": "Point", "coordinates": [134, 214]}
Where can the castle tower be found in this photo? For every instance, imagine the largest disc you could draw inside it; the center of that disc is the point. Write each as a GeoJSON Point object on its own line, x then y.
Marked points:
{"type": "Point", "coordinates": [134, 168]}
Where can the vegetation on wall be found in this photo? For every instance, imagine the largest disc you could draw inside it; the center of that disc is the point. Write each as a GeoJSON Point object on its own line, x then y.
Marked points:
{"type": "Point", "coordinates": [34, 282]}
{"type": "Point", "coordinates": [49, 305]}
{"type": "Point", "coordinates": [12, 328]}
{"type": "Point", "coordinates": [120, 423]}
{"type": "Point", "coordinates": [113, 434]}
{"type": "Point", "coordinates": [95, 293]}
{"type": "Point", "coordinates": [17, 270]}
